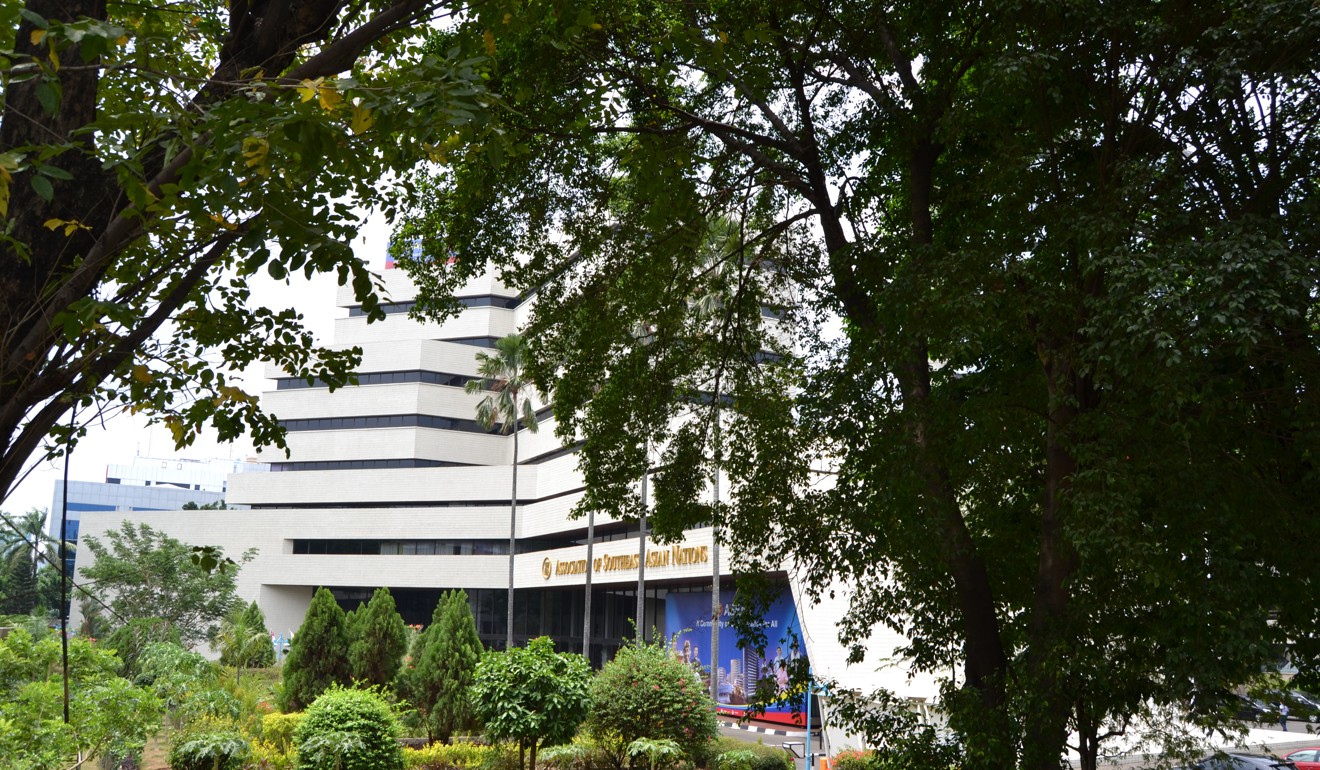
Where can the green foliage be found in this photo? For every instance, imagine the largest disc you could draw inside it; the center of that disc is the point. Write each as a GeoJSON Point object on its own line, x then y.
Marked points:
{"type": "Point", "coordinates": [173, 158]}
{"type": "Point", "coordinates": [853, 759]}
{"type": "Point", "coordinates": [747, 756]}
{"type": "Point", "coordinates": [645, 692]}
{"type": "Point", "coordinates": [108, 714]}
{"type": "Point", "coordinates": [278, 729]}
{"type": "Point", "coordinates": [143, 573]}
{"type": "Point", "coordinates": [244, 640]}
{"type": "Point", "coordinates": [318, 654]}
{"type": "Point", "coordinates": [20, 586]}
{"type": "Point", "coordinates": [737, 759]}
{"type": "Point", "coordinates": [531, 695]}
{"type": "Point", "coordinates": [468, 756]}
{"type": "Point", "coordinates": [582, 753]}
{"type": "Point", "coordinates": [905, 739]}
{"type": "Point", "coordinates": [24, 549]}
{"type": "Point", "coordinates": [445, 666]}
{"type": "Point", "coordinates": [1041, 282]}
{"type": "Point", "coordinates": [378, 637]}
{"type": "Point", "coordinates": [131, 639]}
{"type": "Point", "coordinates": [213, 750]}
{"type": "Point", "coordinates": [659, 753]}
{"type": "Point", "coordinates": [267, 756]}
{"type": "Point", "coordinates": [348, 729]}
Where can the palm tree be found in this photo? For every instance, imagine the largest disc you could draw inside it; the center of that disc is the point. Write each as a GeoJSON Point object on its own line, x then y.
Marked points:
{"type": "Point", "coordinates": [24, 537]}
{"type": "Point", "coordinates": [240, 641]}
{"type": "Point", "coordinates": [505, 383]}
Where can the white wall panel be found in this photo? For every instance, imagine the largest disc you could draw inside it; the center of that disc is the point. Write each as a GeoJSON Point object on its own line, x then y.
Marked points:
{"type": "Point", "coordinates": [472, 322]}
{"type": "Point", "coordinates": [383, 486]}
{"type": "Point", "coordinates": [375, 443]}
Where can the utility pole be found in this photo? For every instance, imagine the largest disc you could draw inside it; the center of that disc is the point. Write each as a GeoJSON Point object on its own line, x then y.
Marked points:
{"type": "Point", "coordinates": [641, 553]}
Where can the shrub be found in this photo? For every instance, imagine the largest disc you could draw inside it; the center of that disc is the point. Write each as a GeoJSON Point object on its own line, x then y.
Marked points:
{"type": "Point", "coordinates": [268, 756]}
{"type": "Point", "coordinates": [278, 729]}
{"type": "Point", "coordinates": [733, 754]}
{"type": "Point", "coordinates": [645, 692]}
{"type": "Point", "coordinates": [658, 754]}
{"type": "Point", "coordinates": [209, 750]}
{"type": "Point", "coordinates": [582, 754]}
{"type": "Point", "coordinates": [348, 729]}
{"type": "Point", "coordinates": [853, 759]}
{"type": "Point", "coordinates": [468, 756]}
{"type": "Point", "coordinates": [533, 695]}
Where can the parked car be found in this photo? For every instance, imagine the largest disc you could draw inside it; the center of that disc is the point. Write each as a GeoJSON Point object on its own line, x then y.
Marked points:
{"type": "Point", "coordinates": [1240, 761]}
{"type": "Point", "coordinates": [1250, 709]}
{"type": "Point", "coordinates": [1305, 759]}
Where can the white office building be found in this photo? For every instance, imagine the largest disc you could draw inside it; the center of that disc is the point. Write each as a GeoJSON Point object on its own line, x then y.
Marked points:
{"type": "Point", "coordinates": [392, 482]}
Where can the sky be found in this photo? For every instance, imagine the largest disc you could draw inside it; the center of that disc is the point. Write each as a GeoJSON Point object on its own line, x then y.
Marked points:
{"type": "Point", "coordinates": [124, 436]}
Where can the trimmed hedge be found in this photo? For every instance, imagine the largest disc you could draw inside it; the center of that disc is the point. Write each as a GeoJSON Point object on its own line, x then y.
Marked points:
{"type": "Point", "coordinates": [461, 756]}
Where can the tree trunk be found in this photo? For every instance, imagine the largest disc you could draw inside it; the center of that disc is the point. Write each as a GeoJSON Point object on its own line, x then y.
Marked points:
{"type": "Point", "coordinates": [716, 606]}
{"type": "Point", "coordinates": [986, 664]}
{"type": "Point", "coordinates": [513, 525]}
{"type": "Point", "coordinates": [1069, 393]}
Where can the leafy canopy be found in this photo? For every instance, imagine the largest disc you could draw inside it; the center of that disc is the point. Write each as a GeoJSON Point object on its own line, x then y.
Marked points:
{"type": "Point", "coordinates": [143, 574]}
{"type": "Point", "coordinates": [1018, 319]}
{"type": "Point", "coordinates": [532, 695]}
{"type": "Point", "coordinates": [108, 715]}
{"type": "Point", "coordinates": [154, 157]}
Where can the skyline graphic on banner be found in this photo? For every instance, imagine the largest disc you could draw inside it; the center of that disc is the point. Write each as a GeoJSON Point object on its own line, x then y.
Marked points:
{"type": "Point", "coordinates": [740, 671]}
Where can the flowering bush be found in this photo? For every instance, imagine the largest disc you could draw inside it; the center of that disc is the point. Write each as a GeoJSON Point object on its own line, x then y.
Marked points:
{"type": "Point", "coordinates": [853, 759]}
{"type": "Point", "coordinates": [647, 693]}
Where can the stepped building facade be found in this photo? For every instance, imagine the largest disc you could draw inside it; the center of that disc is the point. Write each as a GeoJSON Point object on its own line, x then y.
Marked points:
{"type": "Point", "coordinates": [392, 482]}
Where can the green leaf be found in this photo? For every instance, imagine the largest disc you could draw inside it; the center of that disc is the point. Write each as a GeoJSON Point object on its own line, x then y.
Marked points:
{"type": "Point", "coordinates": [48, 96]}
{"type": "Point", "coordinates": [42, 187]}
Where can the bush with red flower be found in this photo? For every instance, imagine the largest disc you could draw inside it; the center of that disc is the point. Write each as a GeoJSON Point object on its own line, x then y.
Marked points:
{"type": "Point", "coordinates": [645, 692]}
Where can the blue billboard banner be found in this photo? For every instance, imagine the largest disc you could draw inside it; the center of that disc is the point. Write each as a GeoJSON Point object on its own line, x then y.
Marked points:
{"type": "Point", "coordinates": [741, 672]}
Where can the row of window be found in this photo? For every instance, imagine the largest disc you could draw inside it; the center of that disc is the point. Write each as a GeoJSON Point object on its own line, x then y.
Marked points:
{"type": "Point", "coordinates": [384, 378]}
{"type": "Point", "coordinates": [485, 300]}
{"type": "Point", "coordinates": [468, 547]}
{"type": "Point", "coordinates": [354, 465]}
{"type": "Point", "coordinates": [388, 421]}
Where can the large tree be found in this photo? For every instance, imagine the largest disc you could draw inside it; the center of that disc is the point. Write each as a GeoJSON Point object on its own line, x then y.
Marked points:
{"type": "Point", "coordinates": [154, 157]}
{"type": "Point", "coordinates": [141, 573]}
{"type": "Point", "coordinates": [1035, 282]}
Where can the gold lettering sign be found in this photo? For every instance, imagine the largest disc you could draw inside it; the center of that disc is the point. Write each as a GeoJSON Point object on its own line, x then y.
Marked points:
{"type": "Point", "coordinates": [571, 567]}
{"type": "Point", "coordinates": [674, 556]}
